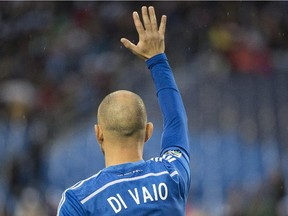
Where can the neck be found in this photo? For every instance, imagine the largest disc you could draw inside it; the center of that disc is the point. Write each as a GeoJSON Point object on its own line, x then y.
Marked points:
{"type": "Point", "coordinates": [122, 153]}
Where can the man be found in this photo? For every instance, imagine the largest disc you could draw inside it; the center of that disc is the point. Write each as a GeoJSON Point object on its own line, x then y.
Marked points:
{"type": "Point", "coordinates": [129, 185]}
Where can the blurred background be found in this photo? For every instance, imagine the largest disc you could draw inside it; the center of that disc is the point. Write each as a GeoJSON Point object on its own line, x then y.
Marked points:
{"type": "Point", "coordinates": [230, 59]}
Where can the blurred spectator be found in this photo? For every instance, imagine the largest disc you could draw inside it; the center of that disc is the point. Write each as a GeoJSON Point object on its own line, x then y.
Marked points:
{"type": "Point", "coordinates": [30, 204]}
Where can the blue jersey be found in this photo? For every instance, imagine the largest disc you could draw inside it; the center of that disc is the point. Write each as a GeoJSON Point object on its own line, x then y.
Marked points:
{"type": "Point", "coordinates": [158, 186]}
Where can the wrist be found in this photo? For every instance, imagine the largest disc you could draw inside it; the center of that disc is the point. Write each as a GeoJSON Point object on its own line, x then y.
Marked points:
{"type": "Point", "coordinates": [161, 57]}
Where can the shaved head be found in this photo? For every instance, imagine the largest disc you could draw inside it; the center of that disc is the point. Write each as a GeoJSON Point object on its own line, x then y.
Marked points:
{"type": "Point", "coordinates": [122, 113]}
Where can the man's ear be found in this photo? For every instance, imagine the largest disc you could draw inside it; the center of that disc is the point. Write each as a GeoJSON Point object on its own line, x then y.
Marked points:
{"type": "Point", "coordinates": [149, 131]}
{"type": "Point", "coordinates": [99, 134]}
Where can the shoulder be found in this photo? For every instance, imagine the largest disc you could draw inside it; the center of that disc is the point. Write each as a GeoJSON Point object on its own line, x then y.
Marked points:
{"type": "Point", "coordinates": [71, 201]}
{"type": "Point", "coordinates": [174, 160]}
{"type": "Point", "coordinates": [83, 187]}
{"type": "Point", "coordinates": [173, 154]}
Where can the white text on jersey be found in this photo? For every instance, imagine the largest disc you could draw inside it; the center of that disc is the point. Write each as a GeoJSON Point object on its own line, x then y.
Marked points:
{"type": "Point", "coordinates": [142, 195]}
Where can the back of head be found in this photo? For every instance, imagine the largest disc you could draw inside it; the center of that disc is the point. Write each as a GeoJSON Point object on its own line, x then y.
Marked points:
{"type": "Point", "coordinates": [122, 114]}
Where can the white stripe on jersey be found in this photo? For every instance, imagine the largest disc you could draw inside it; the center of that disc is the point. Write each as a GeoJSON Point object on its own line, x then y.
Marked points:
{"type": "Point", "coordinates": [78, 184]}
{"type": "Point", "coordinates": [63, 198]}
{"type": "Point", "coordinates": [166, 157]}
{"type": "Point", "coordinates": [157, 159]}
{"type": "Point", "coordinates": [169, 157]}
{"type": "Point", "coordinates": [172, 159]}
{"type": "Point", "coordinates": [174, 173]}
{"type": "Point", "coordinates": [123, 180]}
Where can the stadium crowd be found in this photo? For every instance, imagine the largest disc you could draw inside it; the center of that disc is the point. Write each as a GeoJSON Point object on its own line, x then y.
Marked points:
{"type": "Point", "coordinates": [59, 59]}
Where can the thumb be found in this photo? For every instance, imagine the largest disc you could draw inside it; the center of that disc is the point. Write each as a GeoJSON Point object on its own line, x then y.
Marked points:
{"type": "Point", "coordinates": [128, 44]}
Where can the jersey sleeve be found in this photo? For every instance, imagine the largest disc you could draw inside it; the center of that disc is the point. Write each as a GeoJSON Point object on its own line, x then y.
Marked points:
{"type": "Point", "coordinates": [70, 205]}
{"type": "Point", "coordinates": [174, 140]}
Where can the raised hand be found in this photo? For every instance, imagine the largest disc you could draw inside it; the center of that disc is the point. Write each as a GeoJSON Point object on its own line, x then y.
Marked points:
{"type": "Point", "coordinates": [151, 39]}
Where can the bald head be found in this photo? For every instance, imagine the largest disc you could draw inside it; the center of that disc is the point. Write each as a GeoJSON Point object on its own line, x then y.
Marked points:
{"type": "Point", "coordinates": [122, 113]}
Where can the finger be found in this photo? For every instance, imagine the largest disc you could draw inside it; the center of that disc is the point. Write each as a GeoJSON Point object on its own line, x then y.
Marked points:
{"type": "Point", "coordinates": [128, 44]}
{"type": "Point", "coordinates": [146, 19]}
{"type": "Point", "coordinates": [138, 24]}
{"type": "Point", "coordinates": [153, 18]}
{"type": "Point", "coordinates": [162, 26]}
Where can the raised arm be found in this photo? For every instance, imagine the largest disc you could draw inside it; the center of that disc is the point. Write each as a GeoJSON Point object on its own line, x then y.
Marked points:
{"type": "Point", "coordinates": [151, 47]}
{"type": "Point", "coordinates": [151, 39]}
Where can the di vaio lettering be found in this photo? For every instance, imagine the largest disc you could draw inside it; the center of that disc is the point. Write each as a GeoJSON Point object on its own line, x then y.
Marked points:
{"type": "Point", "coordinates": [139, 196]}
